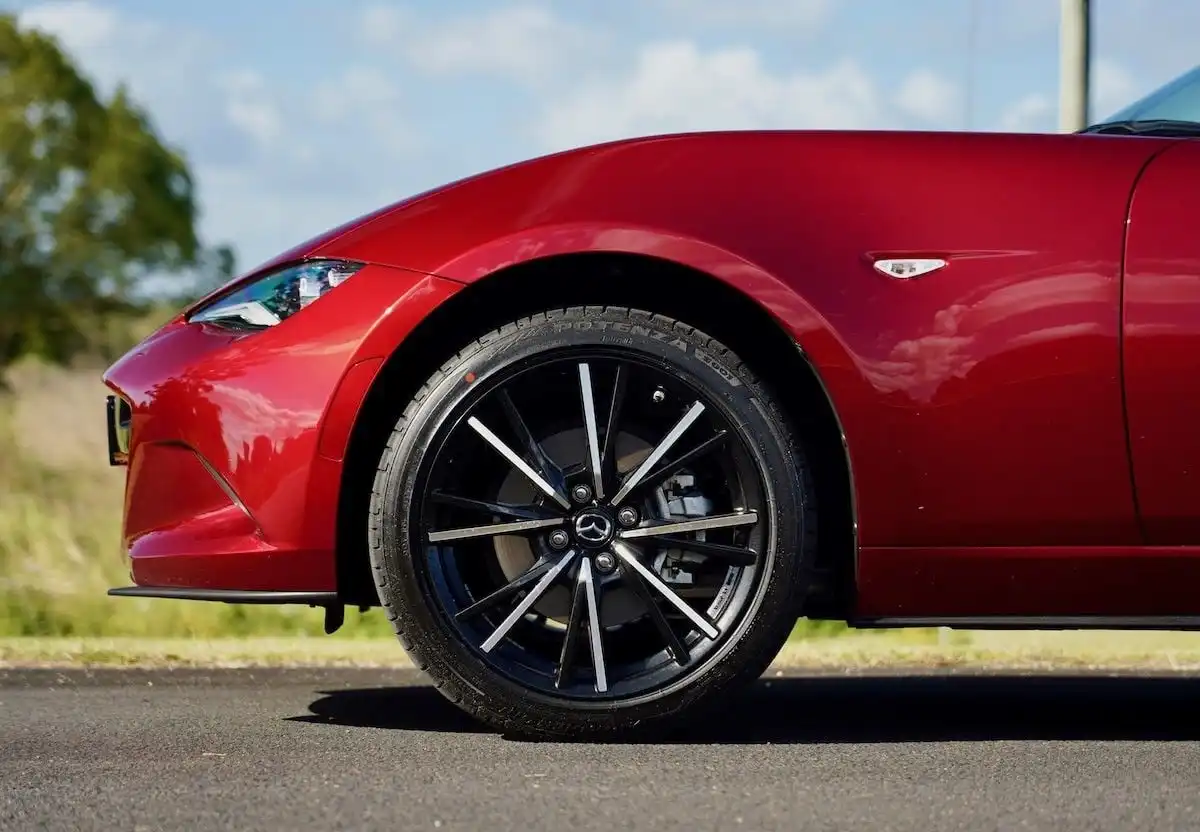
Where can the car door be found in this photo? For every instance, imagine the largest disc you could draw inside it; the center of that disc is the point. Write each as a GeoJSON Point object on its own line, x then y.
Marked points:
{"type": "Point", "coordinates": [1162, 345]}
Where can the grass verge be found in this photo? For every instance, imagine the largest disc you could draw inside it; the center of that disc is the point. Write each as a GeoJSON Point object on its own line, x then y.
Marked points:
{"type": "Point", "coordinates": [1069, 651]}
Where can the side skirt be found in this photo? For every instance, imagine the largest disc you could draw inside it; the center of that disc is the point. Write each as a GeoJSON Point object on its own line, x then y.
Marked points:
{"type": "Point", "coordinates": [1035, 622]}
{"type": "Point", "coordinates": [1033, 587]}
{"type": "Point", "coordinates": [335, 610]}
{"type": "Point", "coordinates": [229, 596]}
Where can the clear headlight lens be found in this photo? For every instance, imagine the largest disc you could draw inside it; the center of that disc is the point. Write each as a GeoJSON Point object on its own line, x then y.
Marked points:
{"type": "Point", "coordinates": [277, 296]}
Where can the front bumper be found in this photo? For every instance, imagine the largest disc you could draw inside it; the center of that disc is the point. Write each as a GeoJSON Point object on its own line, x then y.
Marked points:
{"type": "Point", "coordinates": [234, 442]}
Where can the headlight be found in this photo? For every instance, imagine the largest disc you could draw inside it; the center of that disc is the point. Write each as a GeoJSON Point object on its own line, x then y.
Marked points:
{"type": "Point", "coordinates": [277, 296]}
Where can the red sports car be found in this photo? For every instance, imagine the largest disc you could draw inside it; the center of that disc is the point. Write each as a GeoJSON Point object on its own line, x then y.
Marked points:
{"type": "Point", "coordinates": [596, 429]}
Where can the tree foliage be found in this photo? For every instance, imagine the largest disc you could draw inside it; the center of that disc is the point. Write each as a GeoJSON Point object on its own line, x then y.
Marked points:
{"type": "Point", "coordinates": [92, 204]}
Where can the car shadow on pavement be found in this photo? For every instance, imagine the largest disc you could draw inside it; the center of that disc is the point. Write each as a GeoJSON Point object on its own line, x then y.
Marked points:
{"type": "Point", "coordinates": [863, 709]}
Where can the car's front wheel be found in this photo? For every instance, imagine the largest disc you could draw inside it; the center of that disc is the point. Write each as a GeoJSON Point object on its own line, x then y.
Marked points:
{"type": "Point", "coordinates": [590, 522]}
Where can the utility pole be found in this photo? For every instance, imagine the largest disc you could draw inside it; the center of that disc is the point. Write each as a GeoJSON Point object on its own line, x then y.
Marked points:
{"type": "Point", "coordinates": [1075, 59]}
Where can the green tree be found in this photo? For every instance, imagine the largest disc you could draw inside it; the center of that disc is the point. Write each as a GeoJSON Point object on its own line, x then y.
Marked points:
{"type": "Point", "coordinates": [92, 203]}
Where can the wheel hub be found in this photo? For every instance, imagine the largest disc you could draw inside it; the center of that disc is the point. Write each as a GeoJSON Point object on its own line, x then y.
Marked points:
{"type": "Point", "coordinates": [594, 528]}
{"type": "Point", "coordinates": [515, 555]}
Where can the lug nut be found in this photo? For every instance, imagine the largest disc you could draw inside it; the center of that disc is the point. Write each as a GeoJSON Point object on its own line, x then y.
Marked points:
{"type": "Point", "coordinates": [627, 516]}
{"type": "Point", "coordinates": [605, 562]}
{"type": "Point", "coordinates": [581, 493]}
{"type": "Point", "coordinates": [559, 539]}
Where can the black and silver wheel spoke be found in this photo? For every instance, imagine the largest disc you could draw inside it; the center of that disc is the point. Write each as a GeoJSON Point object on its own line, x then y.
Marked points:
{"type": "Point", "coordinates": [591, 592]}
{"type": "Point", "coordinates": [494, 529]}
{"type": "Point", "coordinates": [537, 454]}
{"type": "Point", "coordinates": [731, 555]}
{"type": "Point", "coordinates": [608, 452]}
{"type": "Point", "coordinates": [509, 590]}
{"type": "Point", "coordinates": [666, 470]}
{"type": "Point", "coordinates": [660, 450]}
{"type": "Point", "coordinates": [585, 610]}
{"type": "Point", "coordinates": [491, 507]}
{"type": "Point", "coordinates": [528, 601]}
{"type": "Point", "coordinates": [566, 657]}
{"type": "Point", "coordinates": [675, 645]}
{"type": "Point", "coordinates": [515, 460]}
{"type": "Point", "coordinates": [700, 524]}
{"type": "Point", "coordinates": [630, 557]}
{"type": "Point", "coordinates": [591, 432]}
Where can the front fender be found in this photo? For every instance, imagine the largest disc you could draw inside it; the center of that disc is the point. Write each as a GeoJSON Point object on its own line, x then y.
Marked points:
{"type": "Point", "coordinates": [790, 309]}
{"type": "Point", "coordinates": [942, 384]}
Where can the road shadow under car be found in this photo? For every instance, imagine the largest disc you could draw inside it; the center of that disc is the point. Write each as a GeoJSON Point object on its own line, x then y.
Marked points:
{"type": "Point", "coordinates": [863, 709]}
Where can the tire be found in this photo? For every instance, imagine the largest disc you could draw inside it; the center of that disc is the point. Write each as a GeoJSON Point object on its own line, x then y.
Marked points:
{"type": "Point", "coordinates": [507, 626]}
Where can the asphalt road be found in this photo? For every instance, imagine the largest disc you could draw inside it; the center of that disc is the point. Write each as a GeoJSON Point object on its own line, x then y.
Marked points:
{"type": "Point", "coordinates": [361, 749]}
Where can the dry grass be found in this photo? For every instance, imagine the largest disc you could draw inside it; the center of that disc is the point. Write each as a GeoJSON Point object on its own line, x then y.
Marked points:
{"type": "Point", "coordinates": [260, 651]}
{"type": "Point", "coordinates": [57, 416]}
{"type": "Point", "coordinates": [992, 649]}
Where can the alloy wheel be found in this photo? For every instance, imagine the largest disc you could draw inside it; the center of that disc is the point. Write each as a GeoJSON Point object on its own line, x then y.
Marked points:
{"type": "Point", "coordinates": [590, 523]}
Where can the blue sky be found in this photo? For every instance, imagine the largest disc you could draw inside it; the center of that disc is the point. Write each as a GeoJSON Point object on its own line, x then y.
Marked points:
{"type": "Point", "coordinates": [299, 114]}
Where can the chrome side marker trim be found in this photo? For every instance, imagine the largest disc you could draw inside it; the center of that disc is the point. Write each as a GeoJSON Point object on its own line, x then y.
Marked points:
{"type": "Point", "coordinates": [907, 269]}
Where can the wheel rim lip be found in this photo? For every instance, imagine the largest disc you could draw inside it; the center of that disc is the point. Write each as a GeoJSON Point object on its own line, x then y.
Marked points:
{"type": "Point", "coordinates": [737, 614]}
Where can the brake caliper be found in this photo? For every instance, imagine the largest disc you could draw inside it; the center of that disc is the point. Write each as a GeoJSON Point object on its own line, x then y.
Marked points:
{"type": "Point", "coordinates": [679, 499]}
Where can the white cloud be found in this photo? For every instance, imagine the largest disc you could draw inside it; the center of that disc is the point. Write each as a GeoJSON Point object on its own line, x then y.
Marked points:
{"type": "Point", "coordinates": [1020, 18]}
{"type": "Point", "coordinates": [358, 86]}
{"type": "Point", "coordinates": [674, 86]}
{"type": "Point", "coordinates": [1113, 87]}
{"type": "Point", "coordinates": [929, 97]}
{"type": "Point", "coordinates": [383, 24]}
{"type": "Point", "coordinates": [1033, 113]}
{"type": "Point", "coordinates": [801, 13]}
{"type": "Point", "coordinates": [78, 24]}
{"type": "Point", "coordinates": [528, 43]}
{"type": "Point", "coordinates": [371, 98]}
{"type": "Point", "coordinates": [250, 108]}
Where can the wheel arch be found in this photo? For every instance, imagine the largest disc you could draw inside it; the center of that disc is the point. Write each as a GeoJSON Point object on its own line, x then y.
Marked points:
{"type": "Point", "coordinates": [655, 283]}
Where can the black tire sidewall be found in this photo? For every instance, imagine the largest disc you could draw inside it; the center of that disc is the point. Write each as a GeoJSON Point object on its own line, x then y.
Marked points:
{"type": "Point", "coordinates": [431, 637]}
